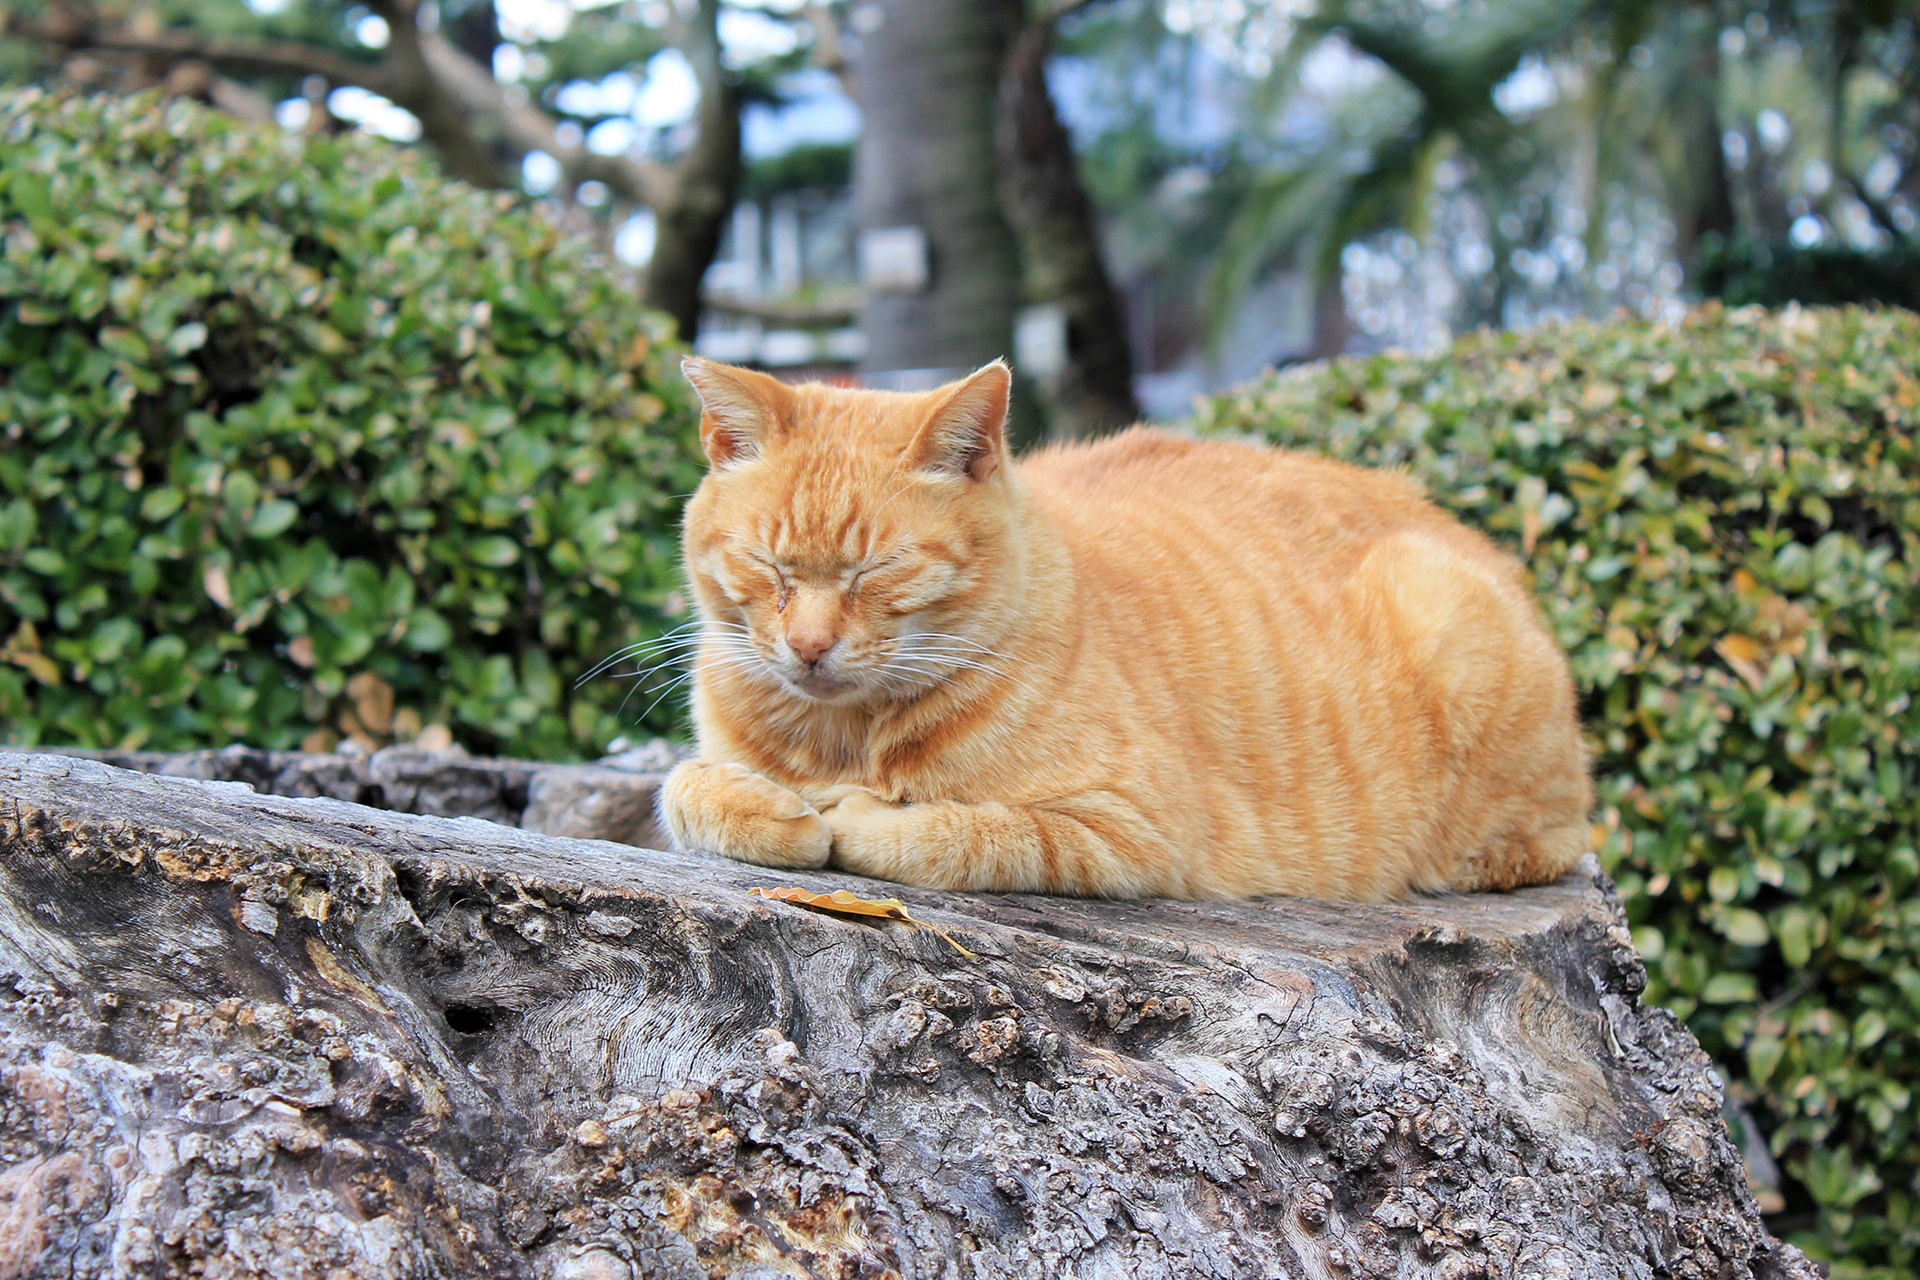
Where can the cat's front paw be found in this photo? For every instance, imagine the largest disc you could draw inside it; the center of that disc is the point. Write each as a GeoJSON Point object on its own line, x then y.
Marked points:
{"type": "Point", "coordinates": [731, 810]}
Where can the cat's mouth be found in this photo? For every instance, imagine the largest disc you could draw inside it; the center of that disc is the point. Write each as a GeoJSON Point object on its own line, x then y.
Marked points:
{"type": "Point", "coordinates": [818, 686]}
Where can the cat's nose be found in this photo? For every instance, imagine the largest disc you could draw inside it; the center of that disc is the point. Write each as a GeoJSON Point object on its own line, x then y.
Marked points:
{"type": "Point", "coordinates": [812, 644]}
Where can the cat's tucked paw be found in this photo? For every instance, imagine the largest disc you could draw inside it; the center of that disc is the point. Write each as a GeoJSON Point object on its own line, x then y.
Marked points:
{"type": "Point", "coordinates": [731, 810]}
{"type": "Point", "coordinates": [827, 799]}
{"type": "Point", "coordinates": [858, 818]}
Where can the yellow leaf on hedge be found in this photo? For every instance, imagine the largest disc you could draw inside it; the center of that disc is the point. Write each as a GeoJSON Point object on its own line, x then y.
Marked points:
{"type": "Point", "coordinates": [1532, 491]}
{"type": "Point", "coordinates": [1742, 654]}
{"type": "Point", "coordinates": [214, 579]}
{"type": "Point", "coordinates": [39, 666]}
{"type": "Point", "coordinates": [840, 902]}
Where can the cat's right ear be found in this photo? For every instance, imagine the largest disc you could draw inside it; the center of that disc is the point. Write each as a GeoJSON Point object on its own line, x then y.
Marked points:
{"type": "Point", "coordinates": [739, 409]}
{"type": "Point", "coordinates": [967, 433]}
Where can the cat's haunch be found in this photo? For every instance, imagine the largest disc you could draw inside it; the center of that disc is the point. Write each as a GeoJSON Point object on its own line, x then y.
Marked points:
{"type": "Point", "coordinates": [1145, 666]}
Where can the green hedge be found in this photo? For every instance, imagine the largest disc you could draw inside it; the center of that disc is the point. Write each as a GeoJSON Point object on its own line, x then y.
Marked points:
{"type": "Point", "coordinates": [303, 440]}
{"type": "Point", "coordinates": [1743, 272]}
{"type": "Point", "coordinates": [1722, 519]}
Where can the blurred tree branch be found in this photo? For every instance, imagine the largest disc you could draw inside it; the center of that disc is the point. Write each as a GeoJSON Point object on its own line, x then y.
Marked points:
{"type": "Point", "coordinates": [829, 47]}
{"type": "Point", "coordinates": [79, 32]}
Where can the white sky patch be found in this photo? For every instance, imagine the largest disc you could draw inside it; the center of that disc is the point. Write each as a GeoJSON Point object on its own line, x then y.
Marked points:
{"type": "Point", "coordinates": [1883, 175]}
{"type": "Point", "coordinates": [1333, 68]}
{"type": "Point", "coordinates": [509, 63]}
{"type": "Point", "coordinates": [1530, 89]}
{"type": "Point", "coordinates": [267, 8]}
{"type": "Point", "coordinates": [749, 35]}
{"type": "Point", "coordinates": [1774, 130]}
{"type": "Point", "coordinates": [633, 242]}
{"type": "Point", "coordinates": [374, 113]}
{"type": "Point", "coordinates": [539, 172]}
{"type": "Point", "coordinates": [613, 96]}
{"type": "Point", "coordinates": [529, 20]}
{"type": "Point", "coordinates": [670, 93]}
{"type": "Point", "coordinates": [292, 114]}
{"type": "Point", "coordinates": [817, 111]}
{"type": "Point", "coordinates": [1244, 34]}
{"type": "Point", "coordinates": [612, 137]}
{"type": "Point", "coordinates": [372, 31]}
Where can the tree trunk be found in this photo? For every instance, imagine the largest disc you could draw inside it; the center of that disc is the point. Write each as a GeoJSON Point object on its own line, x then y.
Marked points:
{"type": "Point", "coordinates": [929, 83]}
{"type": "Point", "coordinates": [1701, 186]}
{"type": "Point", "coordinates": [1331, 324]}
{"type": "Point", "coordinates": [257, 1036]}
{"type": "Point", "coordinates": [1060, 248]}
{"type": "Point", "coordinates": [688, 224]}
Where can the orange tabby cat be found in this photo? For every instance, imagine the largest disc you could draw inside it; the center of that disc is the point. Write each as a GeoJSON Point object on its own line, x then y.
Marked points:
{"type": "Point", "coordinates": [1145, 666]}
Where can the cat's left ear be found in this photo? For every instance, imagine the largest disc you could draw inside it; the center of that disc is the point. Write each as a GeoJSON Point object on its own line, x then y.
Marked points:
{"type": "Point", "coordinates": [967, 433]}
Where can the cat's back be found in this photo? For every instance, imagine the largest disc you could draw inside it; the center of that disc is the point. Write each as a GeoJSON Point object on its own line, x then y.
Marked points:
{"type": "Point", "coordinates": [1380, 668]}
{"type": "Point", "coordinates": [1148, 491]}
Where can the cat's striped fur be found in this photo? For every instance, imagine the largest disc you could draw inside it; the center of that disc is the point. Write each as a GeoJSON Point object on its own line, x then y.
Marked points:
{"type": "Point", "coordinates": [1145, 666]}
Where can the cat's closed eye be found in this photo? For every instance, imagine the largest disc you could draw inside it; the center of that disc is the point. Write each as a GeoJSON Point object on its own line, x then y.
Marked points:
{"type": "Point", "coordinates": [745, 577]}
{"type": "Point", "coordinates": [905, 589]}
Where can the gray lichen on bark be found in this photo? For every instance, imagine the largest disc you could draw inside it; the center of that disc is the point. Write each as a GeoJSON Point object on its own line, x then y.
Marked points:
{"type": "Point", "coordinates": [249, 1035]}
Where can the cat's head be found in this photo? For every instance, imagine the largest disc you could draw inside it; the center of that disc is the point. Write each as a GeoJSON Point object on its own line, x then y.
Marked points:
{"type": "Point", "coordinates": [845, 545]}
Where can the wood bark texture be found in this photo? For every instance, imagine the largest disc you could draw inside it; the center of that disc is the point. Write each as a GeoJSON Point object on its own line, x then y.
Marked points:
{"type": "Point", "coordinates": [250, 1035]}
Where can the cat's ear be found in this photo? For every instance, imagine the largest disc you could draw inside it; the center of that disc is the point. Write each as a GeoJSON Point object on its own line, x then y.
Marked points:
{"type": "Point", "coordinates": [739, 409]}
{"type": "Point", "coordinates": [967, 432]}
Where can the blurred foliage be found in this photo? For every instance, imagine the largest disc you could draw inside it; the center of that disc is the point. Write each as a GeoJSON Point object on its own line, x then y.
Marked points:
{"type": "Point", "coordinates": [1488, 163]}
{"type": "Point", "coordinates": [595, 44]}
{"type": "Point", "coordinates": [1722, 521]}
{"type": "Point", "coordinates": [303, 440]}
{"type": "Point", "coordinates": [811, 166]}
{"type": "Point", "coordinates": [1740, 272]}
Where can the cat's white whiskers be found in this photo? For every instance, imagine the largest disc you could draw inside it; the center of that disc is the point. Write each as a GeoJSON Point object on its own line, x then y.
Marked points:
{"type": "Point", "coordinates": [931, 668]}
{"type": "Point", "coordinates": [728, 644]}
{"type": "Point", "coordinates": [659, 697]}
{"type": "Point", "coordinates": [749, 662]}
{"type": "Point", "coordinates": [674, 638]}
{"type": "Point", "coordinates": [968, 643]}
{"type": "Point", "coordinates": [894, 684]}
{"type": "Point", "coordinates": [617, 656]}
{"type": "Point", "coordinates": [676, 649]}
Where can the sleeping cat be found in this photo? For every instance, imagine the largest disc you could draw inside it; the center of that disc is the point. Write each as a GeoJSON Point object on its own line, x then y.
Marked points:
{"type": "Point", "coordinates": [1145, 666]}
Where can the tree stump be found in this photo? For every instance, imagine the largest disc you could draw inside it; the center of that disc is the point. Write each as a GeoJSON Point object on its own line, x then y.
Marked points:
{"type": "Point", "coordinates": [251, 1035]}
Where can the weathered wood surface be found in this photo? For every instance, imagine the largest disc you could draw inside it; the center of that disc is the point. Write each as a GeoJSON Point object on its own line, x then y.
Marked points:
{"type": "Point", "coordinates": [245, 1035]}
{"type": "Point", "coordinates": [572, 800]}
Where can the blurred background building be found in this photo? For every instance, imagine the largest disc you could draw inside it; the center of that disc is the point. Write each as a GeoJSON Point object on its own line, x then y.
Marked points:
{"type": "Point", "coordinates": [1138, 200]}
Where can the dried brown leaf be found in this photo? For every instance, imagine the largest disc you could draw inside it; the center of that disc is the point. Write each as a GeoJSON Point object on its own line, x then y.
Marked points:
{"type": "Point", "coordinates": [840, 902]}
